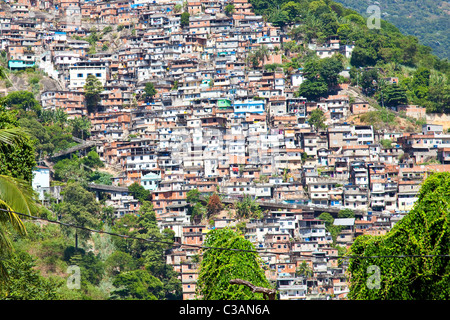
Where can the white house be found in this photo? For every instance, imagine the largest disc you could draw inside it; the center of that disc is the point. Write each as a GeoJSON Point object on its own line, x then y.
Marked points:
{"type": "Point", "coordinates": [41, 180]}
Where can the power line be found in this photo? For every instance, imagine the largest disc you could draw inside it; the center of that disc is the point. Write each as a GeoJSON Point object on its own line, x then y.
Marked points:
{"type": "Point", "coordinates": [263, 250]}
{"type": "Point", "coordinates": [130, 237]}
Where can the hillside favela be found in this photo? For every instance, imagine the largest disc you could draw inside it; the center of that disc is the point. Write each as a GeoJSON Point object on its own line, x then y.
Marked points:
{"type": "Point", "coordinates": [221, 150]}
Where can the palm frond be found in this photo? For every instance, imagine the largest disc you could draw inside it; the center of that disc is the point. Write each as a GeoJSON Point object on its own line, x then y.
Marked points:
{"type": "Point", "coordinates": [15, 195]}
{"type": "Point", "coordinates": [5, 241]}
{"type": "Point", "coordinates": [3, 273]}
{"type": "Point", "coordinates": [12, 135]}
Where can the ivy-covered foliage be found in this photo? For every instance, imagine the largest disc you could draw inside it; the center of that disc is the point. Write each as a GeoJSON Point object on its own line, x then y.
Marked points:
{"type": "Point", "coordinates": [424, 231]}
{"type": "Point", "coordinates": [218, 267]}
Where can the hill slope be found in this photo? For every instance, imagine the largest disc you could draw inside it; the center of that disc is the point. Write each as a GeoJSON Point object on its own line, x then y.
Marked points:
{"type": "Point", "coordinates": [428, 20]}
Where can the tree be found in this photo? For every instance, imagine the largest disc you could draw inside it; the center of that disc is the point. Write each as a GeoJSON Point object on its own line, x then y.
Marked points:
{"type": "Point", "coordinates": [118, 262]}
{"type": "Point", "coordinates": [80, 127]}
{"type": "Point", "coordinates": [177, 8]}
{"type": "Point", "coordinates": [329, 225]}
{"type": "Point", "coordinates": [317, 119]}
{"type": "Point", "coordinates": [424, 232]}
{"type": "Point", "coordinates": [304, 270]}
{"type": "Point", "coordinates": [23, 101]}
{"type": "Point", "coordinates": [70, 170]}
{"type": "Point", "coordinates": [312, 90]}
{"type": "Point", "coordinates": [184, 20]}
{"type": "Point", "coordinates": [60, 137]}
{"type": "Point", "coordinates": [39, 135]}
{"type": "Point", "coordinates": [92, 90]}
{"type": "Point", "coordinates": [214, 205]}
{"type": "Point", "coordinates": [279, 18]}
{"type": "Point", "coordinates": [92, 160]}
{"type": "Point", "coordinates": [262, 53]}
{"type": "Point", "coordinates": [152, 254]}
{"type": "Point", "coordinates": [368, 81]}
{"type": "Point", "coordinates": [392, 96]}
{"type": "Point", "coordinates": [79, 208]}
{"type": "Point", "coordinates": [17, 154]}
{"type": "Point", "coordinates": [330, 24]}
{"type": "Point", "coordinates": [150, 90]}
{"type": "Point", "coordinates": [247, 208]}
{"type": "Point", "coordinates": [293, 10]}
{"type": "Point", "coordinates": [193, 196]}
{"type": "Point", "coordinates": [16, 195]}
{"type": "Point", "coordinates": [438, 95]}
{"type": "Point", "coordinates": [139, 192]}
{"type": "Point", "coordinates": [137, 284]}
{"type": "Point", "coordinates": [362, 57]}
{"type": "Point", "coordinates": [98, 177]}
{"type": "Point", "coordinates": [219, 267]}
{"type": "Point", "coordinates": [346, 213]}
{"type": "Point", "coordinates": [329, 69]}
{"type": "Point", "coordinates": [25, 282]}
{"type": "Point", "coordinates": [196, 210]}
{"type": "Point", "coordinates": [229, 9]}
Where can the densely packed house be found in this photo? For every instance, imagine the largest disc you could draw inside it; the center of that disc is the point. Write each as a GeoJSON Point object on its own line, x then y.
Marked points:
{"type": "Point", "coordinates": [219, 124]}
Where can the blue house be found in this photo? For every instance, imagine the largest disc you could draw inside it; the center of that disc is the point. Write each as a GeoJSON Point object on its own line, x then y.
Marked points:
{"type": "Point", "coordinates": [250, 106]}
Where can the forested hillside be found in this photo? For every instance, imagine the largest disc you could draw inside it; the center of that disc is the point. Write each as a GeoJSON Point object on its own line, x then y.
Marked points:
{"type": "Point", "coordinates": [423, 77]}
{"type": "Point", "coordinates": [428, 20]}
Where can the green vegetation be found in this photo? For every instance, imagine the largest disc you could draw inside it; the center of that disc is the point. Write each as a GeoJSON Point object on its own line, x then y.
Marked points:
{"type": "Point", "coordinates": [247, 208]}
{"type": "Point", "coordinates": [218, 267]}
{"type": "Point", "coordinates": [425, 19]}
{"type": "Point", "coordinates": [423, 231]}
{"type": "Point", "coordinates": [378, 118]}
{"type": "Point", "coordinates": [334, 230]}
{"type": "Point", "coordinates": [139, 192]}
{"type": "Point", "coordinates": [184, 22]}
{"type": "Point", "coordinates": [378, 54]}
{"type": "Point", "coordinates": [111, 268]}
{"type": "Point", "coordinates": [16, 194]}
{"type": "Point", "coordinates": [83, 170]}
{"type": "Point", "coordinates": [92, 90]}
{"type": "Point", "coordinates": [17, 158]}
{"type": "Point", "coordinates": [196, 210]}
{"type": "Point", "coordinates": [386, 143]}
{"type": "Point", "coordinates": [149, 91]}
{"type": "Point", "coordinates": [317, 119]}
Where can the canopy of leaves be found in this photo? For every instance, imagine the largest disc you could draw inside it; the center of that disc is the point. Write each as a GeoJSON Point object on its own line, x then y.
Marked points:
{"type": "Point", "coordinates": [247, 208]}
{"type": "Point", "coordinates": [150, 90]}
{"type": "Point", "coordinates": [425, 19]}
{"type": "Point", "coordinates": [423, 231]}
{"type": "Point", "coordinates": [18, 160]}
{"type": "Point", "coordinates": [314, 21]}
{"type": "Point", "coordinates": [92, 90]}
{"type": "Point", "coordinates": [317, 119]}
{"type": "Point", "coordinates": [23, 101]}
{"type": "Point", "coordinates": [25, 282]}
{"type": "Point", "coordinates": [79, 208]}
{"type": "Point", "coordinates": [138, 284]}
{"type": "Point", "coordinates": [218, 267]}
{"type": "Point", "coordinates": [392, 96]}
{"type": "Point", "coordinates": [184, 22]}
{"type": "Point", "coordinates": [139, 192]}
